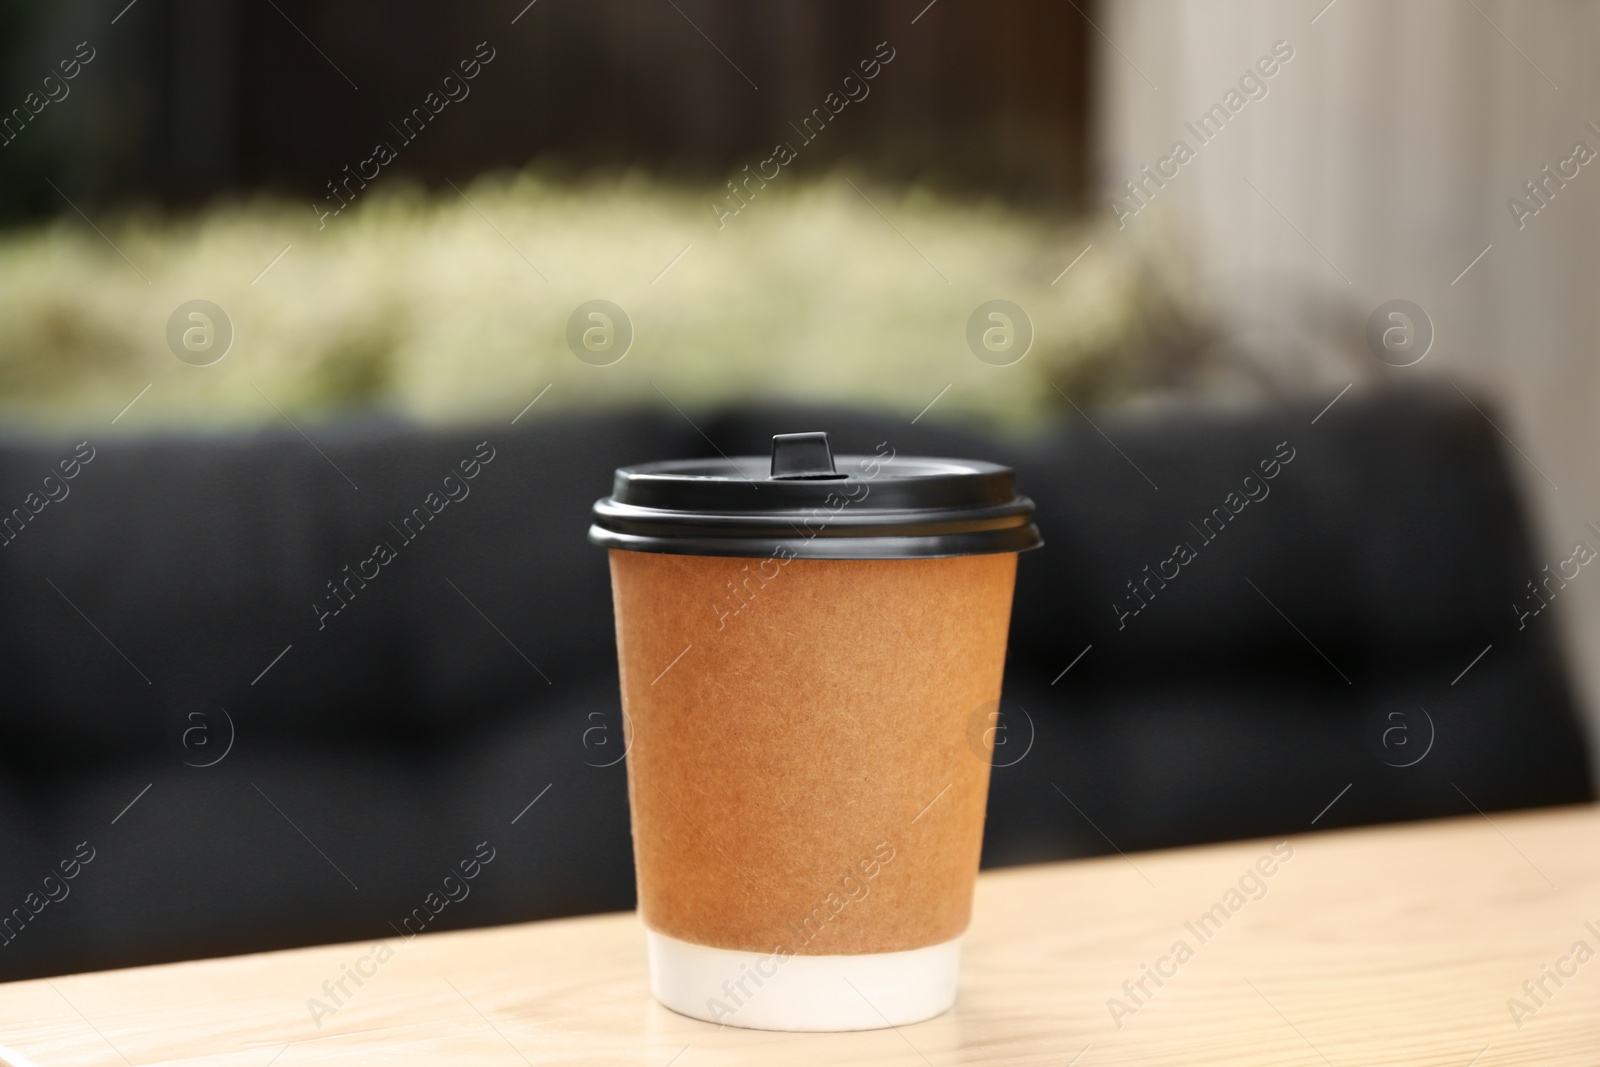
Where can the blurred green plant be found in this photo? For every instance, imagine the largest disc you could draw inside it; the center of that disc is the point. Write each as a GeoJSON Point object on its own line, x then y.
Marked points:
{"type": "Point", "coordinates": [452, 306]}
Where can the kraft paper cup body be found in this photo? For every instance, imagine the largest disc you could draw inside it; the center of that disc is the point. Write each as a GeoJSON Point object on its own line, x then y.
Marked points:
{"type": "Point", "coordinates": [806, 784]}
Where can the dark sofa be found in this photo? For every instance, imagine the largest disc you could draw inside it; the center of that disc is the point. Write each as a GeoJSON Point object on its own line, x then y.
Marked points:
{"type": "Point", "coordinates": [313, 734]}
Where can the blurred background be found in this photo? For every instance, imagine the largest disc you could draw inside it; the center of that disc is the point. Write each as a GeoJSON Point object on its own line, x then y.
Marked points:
{"type": "Point", "coordinates": [200, 141]}
{"type": "Point", "coordinates": [1201, 211]}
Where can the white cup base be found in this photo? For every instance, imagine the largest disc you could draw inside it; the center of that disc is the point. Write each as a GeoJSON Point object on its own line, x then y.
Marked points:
{"type": "Point", "coordinates": [865, 992]}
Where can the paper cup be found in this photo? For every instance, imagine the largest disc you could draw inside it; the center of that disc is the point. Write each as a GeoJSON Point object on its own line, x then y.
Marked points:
{"type": "Point", "coordinates": [807, 799]}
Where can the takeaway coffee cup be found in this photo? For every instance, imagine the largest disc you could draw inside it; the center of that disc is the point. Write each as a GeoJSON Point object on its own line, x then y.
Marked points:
{"type": "Point", "coordinates": [802, 647]}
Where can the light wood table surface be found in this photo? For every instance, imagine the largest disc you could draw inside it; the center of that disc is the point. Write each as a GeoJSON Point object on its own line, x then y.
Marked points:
{"type": "Point", "coordinates": [1389, 945]}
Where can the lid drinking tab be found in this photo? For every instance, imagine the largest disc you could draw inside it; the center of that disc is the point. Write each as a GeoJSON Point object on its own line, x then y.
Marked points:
{"type": "Point", "coordinates": [802, 455]}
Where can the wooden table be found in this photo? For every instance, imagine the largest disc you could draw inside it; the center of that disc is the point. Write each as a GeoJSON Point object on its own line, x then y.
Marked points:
{"type": "Point", "coordinates": [1391, 945]}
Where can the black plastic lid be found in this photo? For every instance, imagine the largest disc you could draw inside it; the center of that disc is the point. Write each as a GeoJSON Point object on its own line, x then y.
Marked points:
{"type": "Point", "coordinates": [809, 504]}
